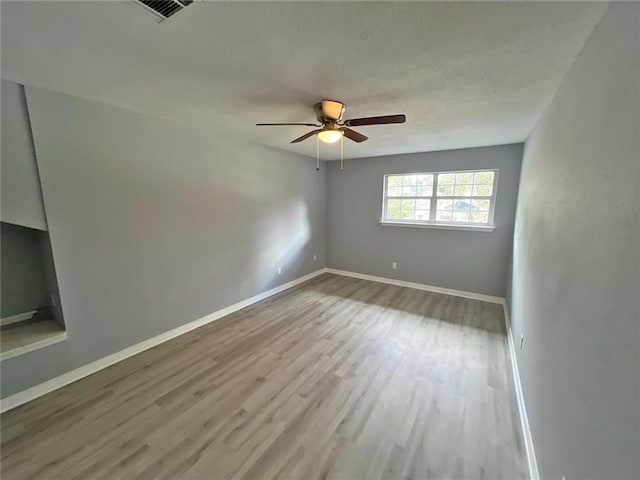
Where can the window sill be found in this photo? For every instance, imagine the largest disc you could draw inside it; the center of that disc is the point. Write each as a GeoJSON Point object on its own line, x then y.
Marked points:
{"type": "Point", "coordinates": [441, 226]}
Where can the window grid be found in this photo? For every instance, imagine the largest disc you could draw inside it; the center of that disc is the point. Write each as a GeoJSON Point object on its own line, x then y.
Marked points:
{"type": "Point", "coordinates": [479, 209]}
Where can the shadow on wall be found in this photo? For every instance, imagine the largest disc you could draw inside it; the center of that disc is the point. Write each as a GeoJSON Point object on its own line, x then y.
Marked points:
{"type": "Point", "coordinates": [284, 243]}
{"type": "Point", "coordinates": [173, 240]}
{"type": "Point", "coordinates": [155, 224]}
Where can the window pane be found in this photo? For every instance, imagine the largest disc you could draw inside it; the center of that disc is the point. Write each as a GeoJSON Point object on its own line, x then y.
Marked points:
{"type": "Point", "coordinates": [409, 180]}
{"type": "Point", "coordinates": [394, 191]}
{"type": "Point", "coordinates": [483, 178]}
{"type": "Point", "coordinates": [446, 179]}
{"type": "Point", "coordinates": [482, 190]}
{"type": "Point", "coordinates": [394, 214]}
{"type": "Point", "coordinates": [464, 178]}
{"type": "Point", "coordinates": [393, 205]}
{"type": "Point", "coordinates": [463, 190]}
{"type": "Point", "coordinates": [422, 215]}
{"type": "Point", "coordinates": [394, 181]}
{"type": "Point", "coordinates": [425, 179]}
{"type": "Point", "coordinates": [425, 191]}
{"type": "Point", "coordinates": [393, 209]}
{"type": "Point", "coordinates": [407, 204]}
{"type": "Point", "coordinates": [445, 190]}
{"type": "Point", "coordinates": [460, 216]}
{"type": "Point", "coordinates": [480, 217]}
{"type": "Point", "coordinates": [444, 205]}
{"type": "Point", "coordinates": [409, 191]}
{"type": "Point", "coordinates": [423, 204]}
{"type": "Point", "coordinates": [482, 205]}
{"type": "Point", "coordinates": [444, 216]}
{"type": "Point", "coordinates": [462, 205]}
{"type": "Point", "coordinates": [406, 214]}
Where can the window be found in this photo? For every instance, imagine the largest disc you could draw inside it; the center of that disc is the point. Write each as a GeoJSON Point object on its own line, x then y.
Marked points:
{"type": "Point", "coordinates": [444, 198]}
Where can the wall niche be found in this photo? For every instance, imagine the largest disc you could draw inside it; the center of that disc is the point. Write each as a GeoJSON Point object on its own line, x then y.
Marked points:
{"type": "Point", "coordinates": [30, 313]}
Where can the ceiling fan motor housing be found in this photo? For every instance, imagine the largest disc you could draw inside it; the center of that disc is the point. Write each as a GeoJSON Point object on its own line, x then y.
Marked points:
{"type": "Point", "coordinates": [329, 111]}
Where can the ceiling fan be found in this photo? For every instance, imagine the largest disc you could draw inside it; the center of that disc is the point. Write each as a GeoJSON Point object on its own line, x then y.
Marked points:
{"type": "Point", "coordinates": [333, 128]}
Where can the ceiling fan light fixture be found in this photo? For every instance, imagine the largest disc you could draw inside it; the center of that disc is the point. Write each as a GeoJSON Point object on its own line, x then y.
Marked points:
{"type": "Point", "coordinates": [330, 136]}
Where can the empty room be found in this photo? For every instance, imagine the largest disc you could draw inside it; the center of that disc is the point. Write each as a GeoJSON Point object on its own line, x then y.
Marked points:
{"type": "Point", "coordinates": [320, 240]}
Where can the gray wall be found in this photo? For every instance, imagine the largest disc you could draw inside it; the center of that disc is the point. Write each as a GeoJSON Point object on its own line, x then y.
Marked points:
{"type": "Point", "coordinates": [463, 260]}
{"type": "Point", "coordinates": [54, 305]}
{"type": "Point", "coordinates": [576, 263]}
{"type": "Point", "coordinates": [154, 224]}
{"type": "Point", "coordinates": [20, 189]}
{"type": "Point", "coordinates": [22, 270]}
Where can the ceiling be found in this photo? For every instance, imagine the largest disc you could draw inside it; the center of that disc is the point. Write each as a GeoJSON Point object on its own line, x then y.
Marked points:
{"type": "Point", "coordinates": [466, 74]}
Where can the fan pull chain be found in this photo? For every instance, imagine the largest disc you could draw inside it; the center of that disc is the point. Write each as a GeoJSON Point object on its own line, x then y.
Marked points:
{"type": "Point", "coordinates": [342, 152]}
{"type": "Point", "coordinates": [317, 154]}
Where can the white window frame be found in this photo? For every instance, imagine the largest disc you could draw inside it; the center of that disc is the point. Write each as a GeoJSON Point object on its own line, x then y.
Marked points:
{"type": "Point", "coordinates": [432, 223]}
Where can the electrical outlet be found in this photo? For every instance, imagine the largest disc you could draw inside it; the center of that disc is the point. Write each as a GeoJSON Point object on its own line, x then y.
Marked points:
{"type": "Point", "coordinates": [315, 257]}
{"type": "Point", "coordinates": [279, 270]}
{"type": "Point", "coordinates": [394, 265]}
{"type": "Point", "coordinates": [521, 341]}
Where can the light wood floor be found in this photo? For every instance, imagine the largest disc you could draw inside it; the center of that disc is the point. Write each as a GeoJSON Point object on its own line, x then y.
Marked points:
{"type": "Point", "coordinates": [336, 378]}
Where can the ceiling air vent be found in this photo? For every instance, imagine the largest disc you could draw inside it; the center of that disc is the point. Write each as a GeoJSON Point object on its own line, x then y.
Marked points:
{"type": "Point", "coordinates": [163, 9]}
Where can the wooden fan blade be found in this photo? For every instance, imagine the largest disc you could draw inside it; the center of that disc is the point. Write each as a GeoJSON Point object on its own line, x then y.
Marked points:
{"type": "Point", "coordinates": [353, 135]}
{"type": "Point", "coordinates": [305, 136]}
{"type": "Point", "coordinates": [382, 120]}
{"type": "Point", "coordinates": [284, 124]}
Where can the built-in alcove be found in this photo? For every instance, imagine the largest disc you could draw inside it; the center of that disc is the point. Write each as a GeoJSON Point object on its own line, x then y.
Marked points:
{"type": "Point", "coordinates": [30, 311]}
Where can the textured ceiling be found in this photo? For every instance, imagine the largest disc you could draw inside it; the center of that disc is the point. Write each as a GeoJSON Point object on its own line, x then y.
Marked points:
{"type": "Point", "coordinates": [465, 74]}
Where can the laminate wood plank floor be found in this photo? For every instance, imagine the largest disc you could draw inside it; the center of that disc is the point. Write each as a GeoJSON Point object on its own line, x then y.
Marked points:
{"type": "Point", "coordinates": [336, 378]}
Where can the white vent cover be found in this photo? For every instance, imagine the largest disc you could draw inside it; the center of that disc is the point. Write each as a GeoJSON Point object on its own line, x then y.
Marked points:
{"type": "Point", "coordinates": [163, 9]}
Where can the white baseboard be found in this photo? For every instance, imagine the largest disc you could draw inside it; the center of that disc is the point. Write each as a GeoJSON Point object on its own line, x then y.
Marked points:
{"type": "Point", "coordinates": [19, 317]}
{"type": "Point", "coordinates": [36, 391]}
{"type": "Point", "coordinates": [419, 286]}
{"type": "Point", "coordinates": [534, 474]}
